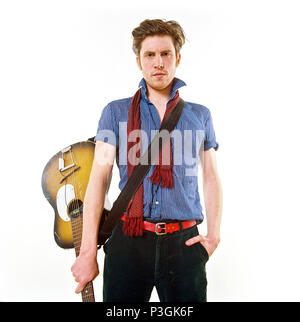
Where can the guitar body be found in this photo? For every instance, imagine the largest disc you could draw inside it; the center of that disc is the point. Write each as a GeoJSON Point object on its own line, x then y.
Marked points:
{"type": "Point", "coordinates": [64, 182]}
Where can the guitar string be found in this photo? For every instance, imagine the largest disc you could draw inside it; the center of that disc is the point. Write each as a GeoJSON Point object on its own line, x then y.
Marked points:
{"type": "Point", "coordinates": [79, 226]}
{"type": "Point", "coordinates": [76, 207]}
{"type": "Point", "coordinates": [88, 290]}
{"type": "Point", "coordinates": [72, 205]}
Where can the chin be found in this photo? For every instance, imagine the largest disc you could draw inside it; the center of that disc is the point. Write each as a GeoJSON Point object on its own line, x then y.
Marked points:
{"type": "Point", "coordinates": [160, 84]}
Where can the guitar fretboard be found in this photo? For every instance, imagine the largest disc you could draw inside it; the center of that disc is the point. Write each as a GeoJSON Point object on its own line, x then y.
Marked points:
{"type": "Point", "coordinates": [76, 222]}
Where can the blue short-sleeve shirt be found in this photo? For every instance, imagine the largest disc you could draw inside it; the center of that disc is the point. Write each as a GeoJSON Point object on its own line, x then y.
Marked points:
{"type": "Point", "coordinates": [193, 133]}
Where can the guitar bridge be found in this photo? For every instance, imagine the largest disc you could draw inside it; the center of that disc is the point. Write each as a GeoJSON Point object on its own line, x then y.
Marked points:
{"type": "Point", "coordinates": [61, 161]}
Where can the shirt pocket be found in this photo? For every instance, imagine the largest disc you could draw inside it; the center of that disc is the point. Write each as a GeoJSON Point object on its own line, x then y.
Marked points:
{"type": "Point", "coordinates": [190, 184]}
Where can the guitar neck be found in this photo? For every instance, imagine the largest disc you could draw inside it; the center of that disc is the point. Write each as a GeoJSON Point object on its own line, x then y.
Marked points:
{"type": "Point", "coordinates": [76, 221]}
{"type": "Point", "coordinates": [88, 293]}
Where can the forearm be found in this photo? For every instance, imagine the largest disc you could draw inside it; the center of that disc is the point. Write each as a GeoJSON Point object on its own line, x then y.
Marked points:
{"type": "Point", "coordinates": [212, 190]}
{"type": "Point", "coordinates": [93, 207]}
{"type": "Point", "coordinates": [85, 268]}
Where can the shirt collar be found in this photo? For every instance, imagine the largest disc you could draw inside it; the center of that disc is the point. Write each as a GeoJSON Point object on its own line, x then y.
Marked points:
{"type": "Point", "coordinates": [177, 83]}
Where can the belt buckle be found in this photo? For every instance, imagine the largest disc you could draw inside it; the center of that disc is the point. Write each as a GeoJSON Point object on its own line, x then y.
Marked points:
{"type": "Point", "coordinates": [157, 226]}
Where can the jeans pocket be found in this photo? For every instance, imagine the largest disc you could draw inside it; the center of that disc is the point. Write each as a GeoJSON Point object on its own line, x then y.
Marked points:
{"type": "Point", "coordinates": [111, 244]}
{"type": "Point", "coordinates": [105, 246]}
{"type": "Point", "coordinates": [199, 249]}
{"type": "Point", "coordinates": [203, 251]}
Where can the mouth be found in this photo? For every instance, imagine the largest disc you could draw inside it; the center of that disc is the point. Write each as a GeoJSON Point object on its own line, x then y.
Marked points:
{"type": "Point", "coordinates": [159, 75]}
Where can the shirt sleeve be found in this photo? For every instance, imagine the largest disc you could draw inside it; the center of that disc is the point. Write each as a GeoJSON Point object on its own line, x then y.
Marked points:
{"type": "Point", "coordinates": [210, 137]}
{"type": "Point", "coordinates": [107, 127]}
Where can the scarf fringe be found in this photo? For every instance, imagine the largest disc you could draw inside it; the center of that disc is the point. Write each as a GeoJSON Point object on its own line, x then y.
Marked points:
{"type": "Point", "coordinates": [162, 177]}
{"type": "Point", "coordinates": [133, 226]}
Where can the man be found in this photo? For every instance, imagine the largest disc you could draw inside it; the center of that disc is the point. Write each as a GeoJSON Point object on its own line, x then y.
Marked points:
{"type": "Point", "coordinates": [142, 252]}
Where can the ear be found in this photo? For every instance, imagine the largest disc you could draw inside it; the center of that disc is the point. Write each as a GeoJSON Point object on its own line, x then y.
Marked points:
{"type": "Point", "coordinates": [178, 60]}
{"type": "Point", "coordinates": [138, 61]}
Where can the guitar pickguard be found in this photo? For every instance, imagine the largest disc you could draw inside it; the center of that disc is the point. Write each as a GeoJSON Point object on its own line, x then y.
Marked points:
{"type": "Point", "coordinates": [64, 196]}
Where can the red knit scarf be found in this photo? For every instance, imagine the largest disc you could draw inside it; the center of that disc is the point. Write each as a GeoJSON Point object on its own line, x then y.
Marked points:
{"type": "Point", "coordinates": [162, 175]}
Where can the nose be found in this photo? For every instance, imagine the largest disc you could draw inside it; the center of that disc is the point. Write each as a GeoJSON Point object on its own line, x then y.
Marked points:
{"type": "Point", "coordinates": [159, 62]}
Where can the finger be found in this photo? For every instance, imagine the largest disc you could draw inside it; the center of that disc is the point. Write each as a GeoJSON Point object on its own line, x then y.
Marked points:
{"type": "Point", "coordinates": [76, 277]}
{"type": "Point", "coordinates": [80, 287]}
{"type": "Point", "coordinates": [193, 241]}
{"type": "Point", "coordinates": [197, 239]}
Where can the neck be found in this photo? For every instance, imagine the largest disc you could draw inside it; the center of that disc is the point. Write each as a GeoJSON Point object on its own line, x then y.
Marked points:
{"type": "Point", "coordinates": [159, 95]}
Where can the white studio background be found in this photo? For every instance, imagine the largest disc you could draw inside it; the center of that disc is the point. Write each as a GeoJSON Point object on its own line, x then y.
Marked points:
{"type": "Point", "coordinates": [62, 61]}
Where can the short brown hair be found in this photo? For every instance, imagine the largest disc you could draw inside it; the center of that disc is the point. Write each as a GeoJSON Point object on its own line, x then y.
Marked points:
{"type": "Point", "coordinates": [158, 27]}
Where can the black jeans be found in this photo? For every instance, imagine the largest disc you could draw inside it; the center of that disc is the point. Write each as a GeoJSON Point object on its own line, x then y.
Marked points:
{"type": "Point", "coordinates": [134, 265]}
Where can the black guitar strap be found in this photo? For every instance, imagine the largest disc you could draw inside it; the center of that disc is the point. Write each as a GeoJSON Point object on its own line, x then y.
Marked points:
{"type": "Point", "coordinates": [111, 218]}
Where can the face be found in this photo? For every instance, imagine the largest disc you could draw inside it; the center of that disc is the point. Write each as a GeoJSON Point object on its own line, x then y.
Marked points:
{"type": "Point", "coordinates": [157, 61]}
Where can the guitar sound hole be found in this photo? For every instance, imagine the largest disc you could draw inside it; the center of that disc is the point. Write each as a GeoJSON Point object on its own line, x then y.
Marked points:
{"type": "Point", "coordinates": [75, 208]}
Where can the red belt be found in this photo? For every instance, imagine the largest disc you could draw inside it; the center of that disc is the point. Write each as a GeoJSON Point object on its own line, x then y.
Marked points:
{"type": "Point", "coordinates": [162, 228]}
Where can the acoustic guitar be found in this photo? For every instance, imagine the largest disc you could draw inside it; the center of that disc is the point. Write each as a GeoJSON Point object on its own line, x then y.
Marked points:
{"type": "Point", "coordinates": [64, 182]}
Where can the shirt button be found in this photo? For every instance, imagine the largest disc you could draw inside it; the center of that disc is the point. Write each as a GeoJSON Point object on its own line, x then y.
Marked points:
{"type": "Point", "coordinates": [156, 202]}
